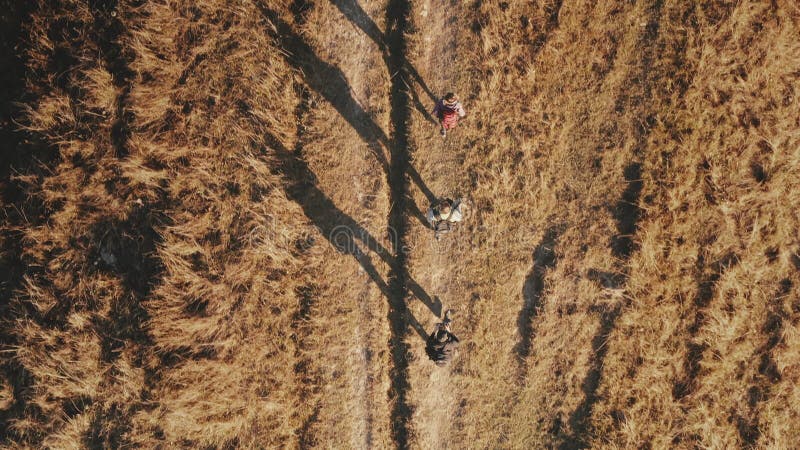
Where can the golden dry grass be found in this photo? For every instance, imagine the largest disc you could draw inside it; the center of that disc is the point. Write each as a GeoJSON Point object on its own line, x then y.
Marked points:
{"type": "Point", "coordinates": [200, 231]}
{"type": "Point", "coordinates": [579, 111]}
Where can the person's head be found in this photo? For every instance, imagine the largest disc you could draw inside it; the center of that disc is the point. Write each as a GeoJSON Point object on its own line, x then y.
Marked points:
{"type": "Point", "coordinates": [445, 206]}
{"type": "Point", "coordinates": [450, 97]}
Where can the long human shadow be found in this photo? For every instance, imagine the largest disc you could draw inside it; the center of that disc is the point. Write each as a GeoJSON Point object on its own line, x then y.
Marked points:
{"type": "Point", "coordinates": [342, 231]}
{"type": "Point", "coordinates": [627, 213]}
{"type": "Point", "coordinates": [356, 14]}
{"type": "Point", "coordinates": [591, 382]}
{"type": "Point", "coordinates": [707, 277]}
{"type": "Point", "coordinates": [330, 82]}
{"type": "Point", "coordinates": [544, 258]}
{"type": "Point", "coordinates": [768, 371]}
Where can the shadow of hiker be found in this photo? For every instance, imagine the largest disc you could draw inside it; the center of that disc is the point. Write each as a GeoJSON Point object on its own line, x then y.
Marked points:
{"type": "Point", "coordinates": [330, 82]}
{"type": "Point", "coordinates": [627, 214]}
{"type": "Point", "coordinates": [610, 280]}
{"type": "Point", "coordinates": [416, 212]}
{"type": "Point", "coordinates": [341, 230]}
{"type": "Point", "coordinates": [544, 258]}
{"type": "Point", "coordinates": [579, 418]}
{"type": "Point", "coordinates": [355, 14]}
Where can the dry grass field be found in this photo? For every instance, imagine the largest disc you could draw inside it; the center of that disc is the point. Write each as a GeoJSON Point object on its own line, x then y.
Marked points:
{"type": "Point", "coordinates": [213, 234]}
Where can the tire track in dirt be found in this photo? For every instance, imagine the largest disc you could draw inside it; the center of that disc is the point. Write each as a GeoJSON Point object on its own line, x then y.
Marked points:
{"type": "Point", "coordinates": [303, 369]}
{"type": "Point", "coordinates": [627, 214]}
{"type": "Point", "coordinates": [331, 221]}
{"type": "Point", "coordinates": [393, 48]}
{"type": "Point", "coordinates": [301, 188]}
{"type": "Point", "coordinates": [310, 382]}
{"type": "Point", "coordinates": [308, 379]}
{"type": "Point", "coordinates": [397, 13]}
{"type": "Point", "coordinates": [400, 285]}
{"type": "Point", "coordinates": [365, 388]}
{"type": "Point", "coordinates": [434, 397]}
{"type": "Point", "coordinates": [360, 357]}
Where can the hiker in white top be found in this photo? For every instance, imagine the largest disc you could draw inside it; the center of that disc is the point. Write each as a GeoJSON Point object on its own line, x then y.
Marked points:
{"type": "Point", "coordinates": [444, 215]}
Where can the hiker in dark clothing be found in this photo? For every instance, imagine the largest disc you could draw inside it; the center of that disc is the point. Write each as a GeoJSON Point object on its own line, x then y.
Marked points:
{"type": "Point", "coordinates": [442, 343]}
{"type": "Point", "coordinates": [448, 110]}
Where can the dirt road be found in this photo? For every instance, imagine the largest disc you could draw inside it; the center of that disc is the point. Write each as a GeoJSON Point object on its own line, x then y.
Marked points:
{"type": "Point", "coordinates": [434, 70]}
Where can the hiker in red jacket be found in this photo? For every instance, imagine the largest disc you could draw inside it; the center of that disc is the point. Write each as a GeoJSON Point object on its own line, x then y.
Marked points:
{"type": "Point", "coordinates": [448, 110]}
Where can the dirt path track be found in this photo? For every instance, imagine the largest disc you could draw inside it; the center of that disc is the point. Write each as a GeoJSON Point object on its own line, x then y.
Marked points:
{"type": "Point", "coordinates": [434, 56]}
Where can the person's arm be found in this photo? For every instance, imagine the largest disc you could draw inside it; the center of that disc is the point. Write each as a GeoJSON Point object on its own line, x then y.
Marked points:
{"type": "Point", "coordinates": [456, 215]}
{"type": "Point", "coordinates": [460, 110]}
{"type": "Point", "coordinates": [432, 338]}
{"type": "Point", "coordinates": [437, 109]}
{"type": "Point", "coordinates": [431, 218]}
